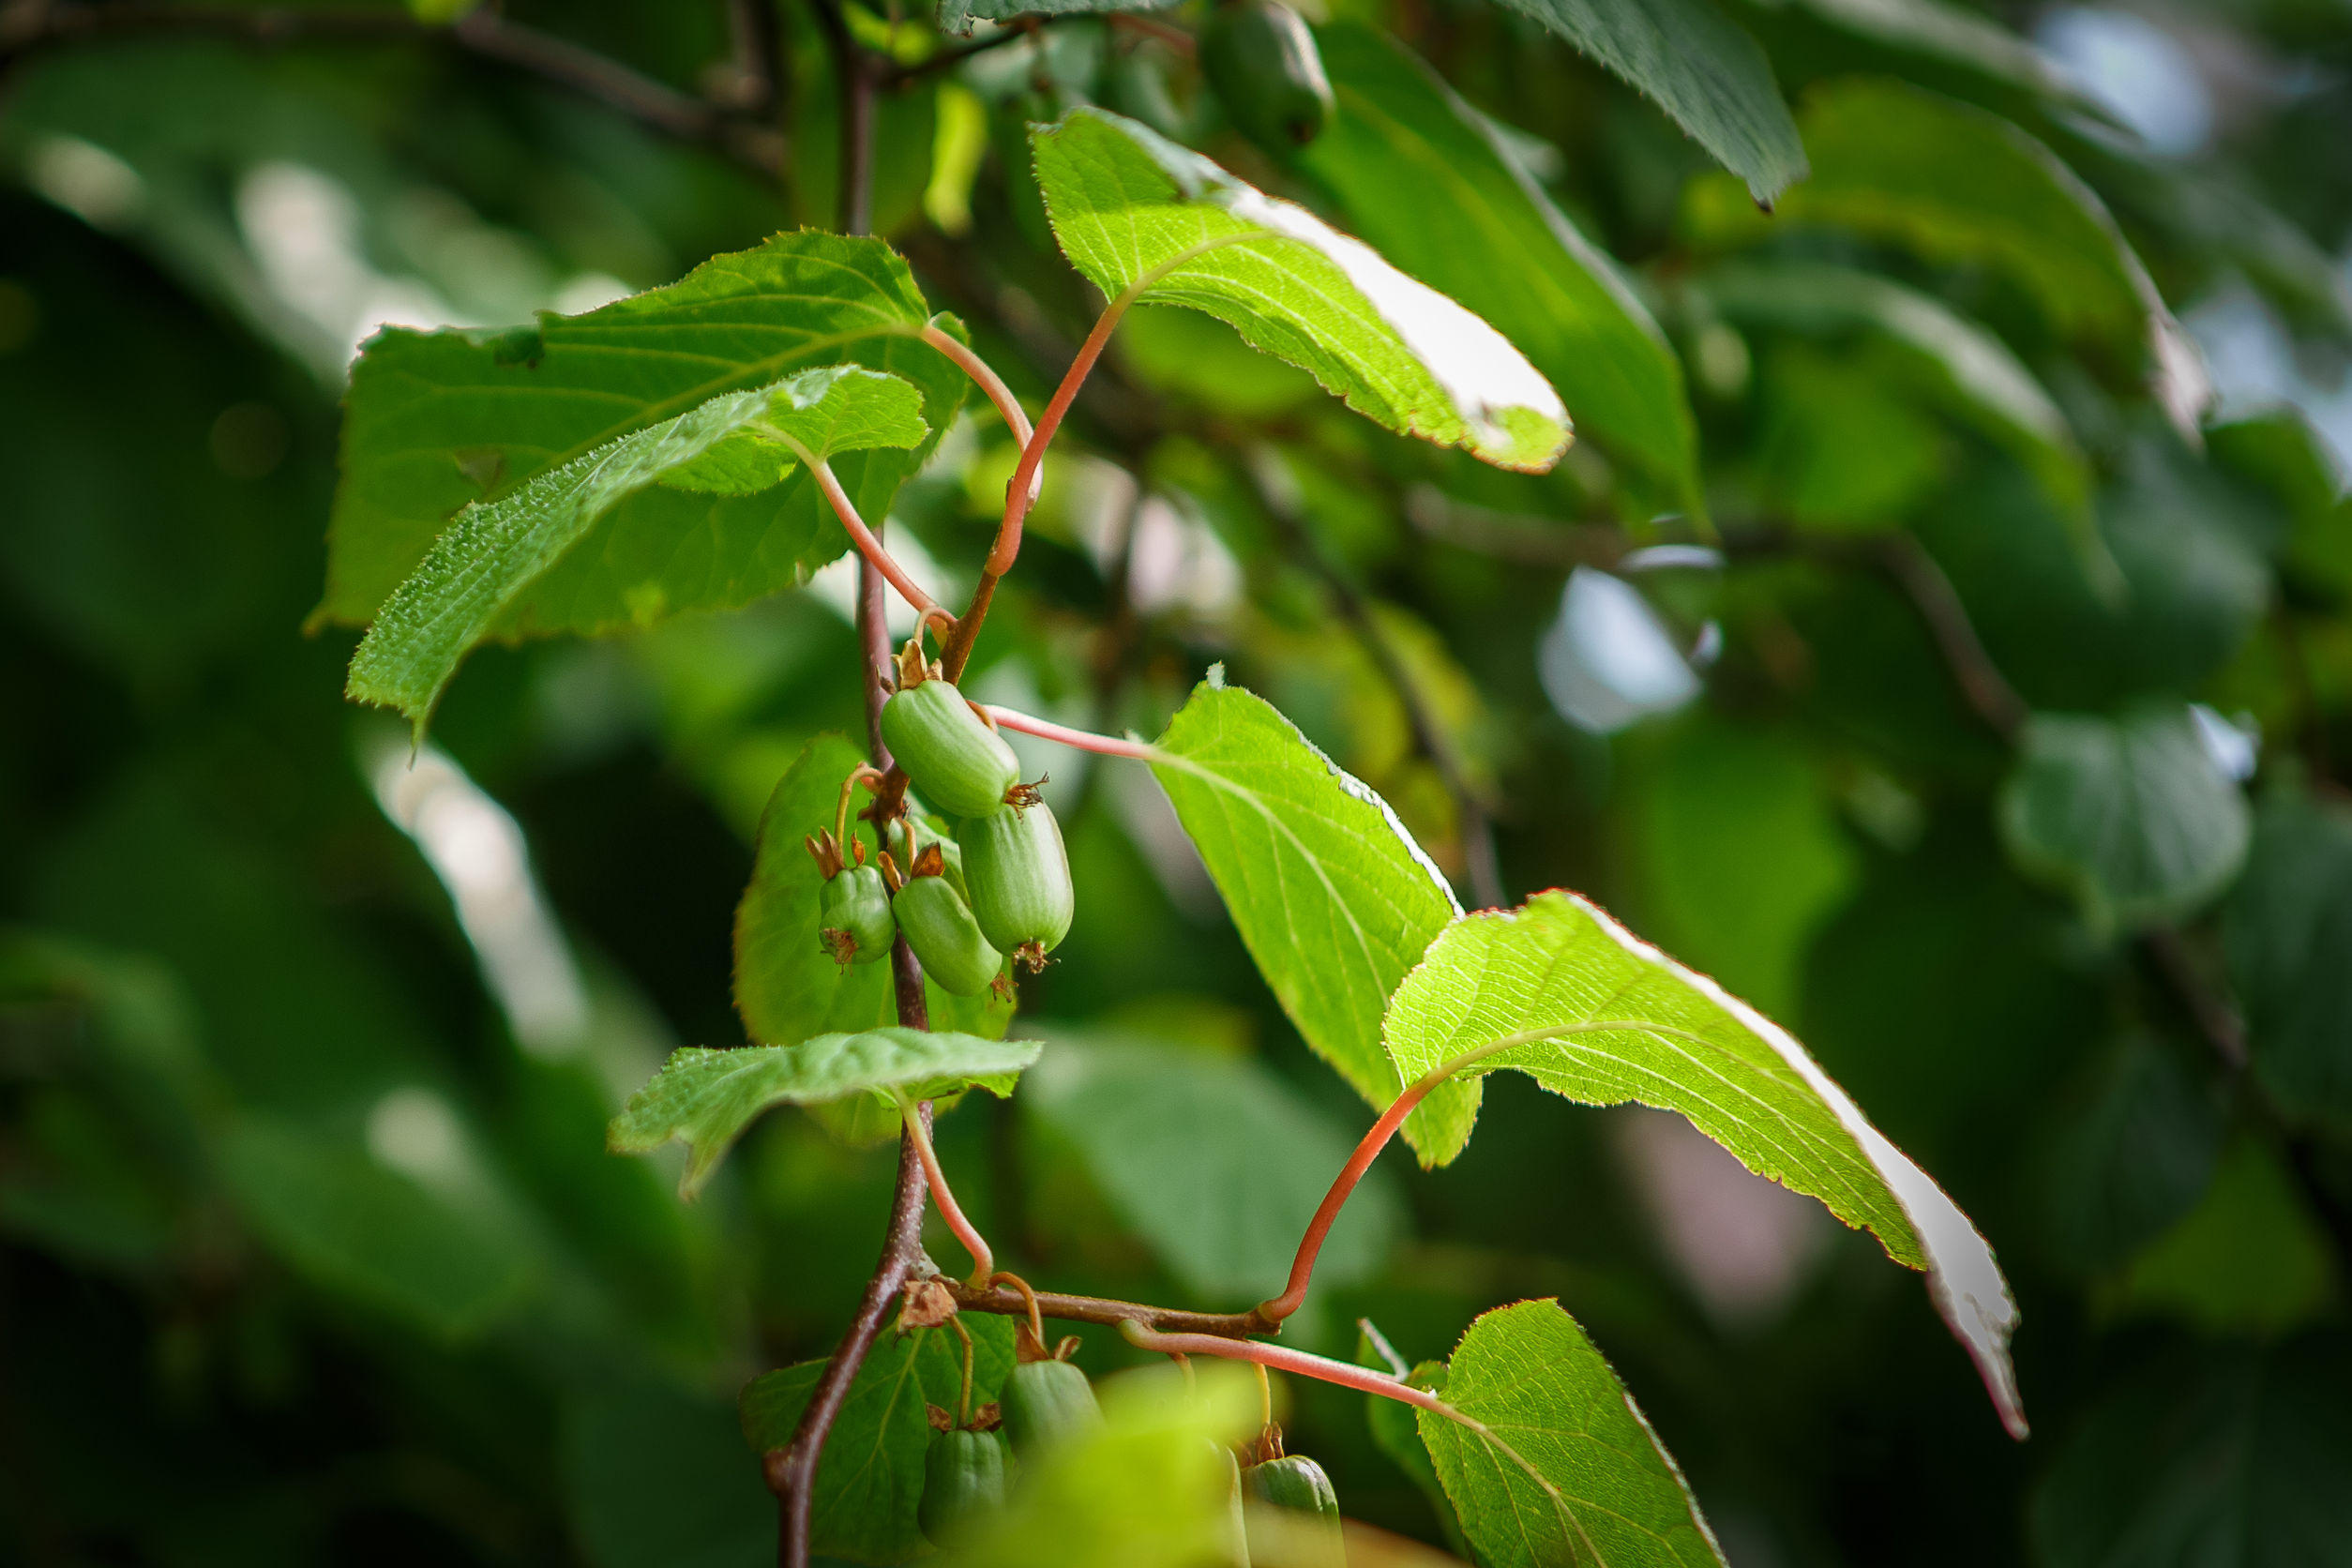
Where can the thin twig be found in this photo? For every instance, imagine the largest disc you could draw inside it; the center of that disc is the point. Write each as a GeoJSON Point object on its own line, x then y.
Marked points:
{"type": "Point", "coordinates": [1931, 593]}
{"type": "Point", "coordinates": [1080, 740]}
{"type": "Point", "coordinates": [868, 547]}
{"type": "Point", "coordinates": [897, 77]}
{"type": "Point", "coordinates": [1101, 1309]}
{"type": "Point", "coordinates": [759, 44]}
{"type": "Point", "coordinates": [1470, 809]}
{"type": "Point", "coordinates": [983, 1256]}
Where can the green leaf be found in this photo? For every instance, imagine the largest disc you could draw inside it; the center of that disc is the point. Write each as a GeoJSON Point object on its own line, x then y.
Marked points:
{"type": "Point", "coordinates": [1528, 1373]}
{"type": "Point", "coordinates": [2221, 1454]}
{"type": "Point", "coordinates": [1332, 896]}
{"type": "Point", "coordinates": [706, 1098]}
{"type": "Point", "coordinates": [1134, 211]}
{"type": "Point", "coordinates": [1429, 181]}
{"type": "Point", "coordinates": [1958, 185]}
{"type": "Point", "coordinates": [2130, 815]}
{"type": "Point", "coordinates": [1211, 1160]}
{"type": "Point", "coordinates": [2134, 1158]}
{"type": "Point", "coordinates": [2250, 1258]}
{"type": "Point", "coordinates": [1952, 35]}
{"type": "Point", "coordinates": [1536, 982]}
{"type": "Point", "coordinates": [1964, 365]}
{"type": "Point", "coordinates": [1151, 1487]}
{"type": "Point", "coordinates": [739, 442]}
{"type": "Point", "coordinates": [1392, 1423]}
{"type": "Point", "coordinates": [871, 1477]}
{"type": "Point", "coordinates": [436, 421]}
{"type": "Point", "coordinates": [788, 988]}
{"type": "Point", "coordinates": [2289, 928]}
{"type": "Point", "coordinates": [372, 1234]}
{"type": "Point", "coordinates": [1699, 67]}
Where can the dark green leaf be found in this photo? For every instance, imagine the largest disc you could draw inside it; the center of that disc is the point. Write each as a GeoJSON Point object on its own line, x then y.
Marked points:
{"type": "Point", "coordinates": [1211, 1160]}
{"type": "Point", "coordinates": [1331, 896]}
{"type": "Point", "coordinates": [1699, 67]}
{"type": "Point", "coordinates": [706, 1098]}
{"type": "Point", "coordinates": [438, 420]}
{"type": "Point", "coordinates": [739, 442]}
{"type": "Point", "coordinates": [1134, 211]}
{"type": "Point", "coordinates": [2134, 1158]}
{"type": "Point", "coordinates": [358, 1230]}
{"type": "Point", "coordinates": [2130, 815]}
{"type": "Point", "coordinates": [1427, 181]}
{"type": "Point", "coordinates": [2250, 1258]}
{"type": "Point", "coordinates": [1956, 184]}
{"type": "Point", "coordinates": [1537, 981]}
{"type": "Point", "coordinates": [871, 1476]}
{"type": "Point", "coordinates": [2289, 926]}
{"type": "Point", "coordinates": [2221, 1455]}
{"type": "Point", "coordinates": [1615, 1498]}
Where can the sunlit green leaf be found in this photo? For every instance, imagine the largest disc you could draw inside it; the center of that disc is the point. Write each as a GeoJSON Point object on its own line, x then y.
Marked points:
{"type": "Point", "coordinates": [1333, 898]}
{"type": "Point", "coordinates": [2131, 815]}
{"type": "Point", "coordinates": [1133, 210]}
{"type": "Point", "coordinates": [438, 420]}
{"type": "Point", "coordinates": [1537, 981]}
{"type": "Point", "coordinates": [1211, 1160]}
{"type": "Point", "coordinates": [871, 1478]}
{"type": "Point", "coordinates": [788, 988]}
{"type": "Point", "coordinates": [706, 1098]}
{"type": "Point", "coordinates": [739, 442]}
{"type": "Point", "coordinates": [1425, 179]}
{"type": "Point", "coordinates": [1617, 1500]}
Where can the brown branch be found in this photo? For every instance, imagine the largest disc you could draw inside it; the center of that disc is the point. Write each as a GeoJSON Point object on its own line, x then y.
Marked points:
{"type": "Point", "coordinates": [753, 28]}
{"type": "Point", "coordinates": [1931, 593]}
{"type": "Point", "coordinates": [27, 30]}
{"type": "Point", "coordinates": [1098, 1309]}
{"type": "Point", "coordinates": [1470, 807]}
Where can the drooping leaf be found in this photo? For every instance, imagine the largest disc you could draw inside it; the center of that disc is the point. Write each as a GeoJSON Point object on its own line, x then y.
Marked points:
{"type": "Point", "coordinates": [1210, 1159]}
{"type": "Point", "coordinates": [1617, 1499]}
{"type": "Point", "coordinates": [1536, 981]}
{"type": "Point", "coordinates": [2224, 1452]}
{"type": "Point", "coordinates": [1330, 895]}
{"type": "Point", "coordinates": [1971, 371]}
{"type": "Point", "coordinates": [739, 442]}
{"type": "Point", "coordinates": [2131, 815]}
{"type": "Point", "coordinates": [1957, 184]}
{"type": "Point", "coordinates": [1700, 68]}
{"type": "Point", "coordinates": [2289, 930]}
{"type": "Point", "coordinates": [706, 1098]}
{"type": "Point", "coordinates": [1133, 210]}
{"type": "Point", "coordinates": [788, 988]}
{"type": "Point", "coordinates": [871, 1478]}
{"type": "Point", "coordinates": [353, 1228]}
{"type": "Point", "coordinates": [1425, 179]}
{"type": "Point", "coordinates": [438, 420]}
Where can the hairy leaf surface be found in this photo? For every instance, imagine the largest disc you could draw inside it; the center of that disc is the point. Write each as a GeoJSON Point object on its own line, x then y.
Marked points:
{"type": "Point", "coordinates": [706, 1098]}
{"type": "Point", "coordinates": [739, 442]}
{"type": "Point", "coordinates": [1528, 1373]}
{"type": "Point", "coordinates": [436, 421]}
{"type": "Point", "coordinates": [1427, 181]}
{"type": "Point", "coordinates": [1133, 210]}
{"type": "Point", "coordinates": [1331, 896]}
{"type": "Point", "coordinates": [2131, 814]}
{"type": "Point", "coordinates": [1590, 1012]}
{"type": "Point", "coordinates": [870, 1479]}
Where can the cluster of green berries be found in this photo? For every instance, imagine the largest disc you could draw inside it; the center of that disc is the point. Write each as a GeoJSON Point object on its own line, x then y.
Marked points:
{"type": "Point", "coordinates": [1000, 888]}
{"type": "Point", "coordinates": [969, 1469]}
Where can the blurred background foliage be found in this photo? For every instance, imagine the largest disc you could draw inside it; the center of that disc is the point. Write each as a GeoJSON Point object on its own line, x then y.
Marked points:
{"type": "Point", "coordinates": [1904, 642]}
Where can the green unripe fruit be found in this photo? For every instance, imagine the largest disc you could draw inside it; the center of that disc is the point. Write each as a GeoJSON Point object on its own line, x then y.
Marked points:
{"type": "Point", "coordinates": [1298, 1484]}
{"type": "Point", "coordinates": [951, 853]}
{"type": "Point", "coordinates": [1046, 1403]}
{"type": "Point", "coordinates": [963, 1474]}
{"type": "Point", "coordinates": [854, 916]}
{"type": "Point", "coordinates": [937, 925]}
{"type": "Point", "coordinates": [1261, 60]}
{"type": "Point", "coordinates": [961, 765]}
{"type": "Point", "coordinates": [1019, 878]}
